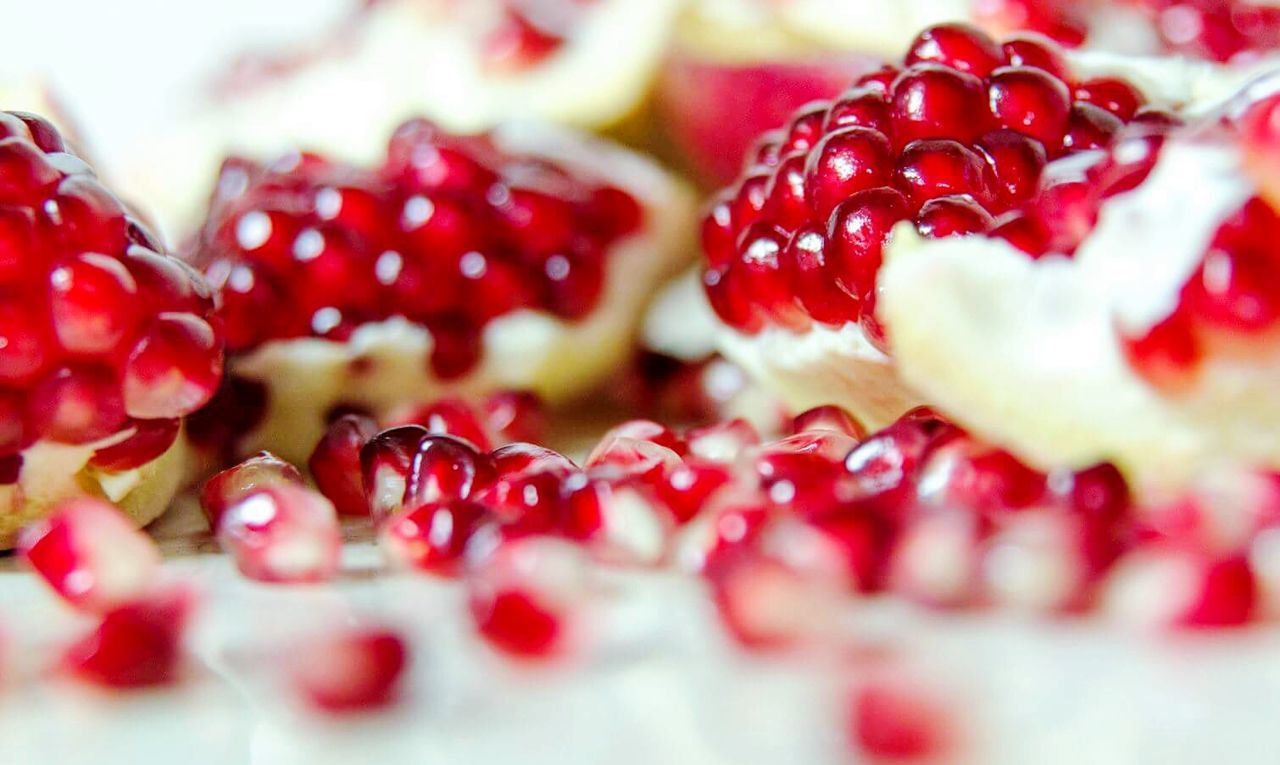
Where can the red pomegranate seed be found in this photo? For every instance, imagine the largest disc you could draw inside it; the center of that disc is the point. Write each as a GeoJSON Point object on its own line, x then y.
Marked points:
{"type": "Point", "coordinates": [1166, 354]}
{"type": "Point", "coordinates": [859, 228]}
{"type": "Point", "coordinates": [284, 532]}
{"type": "Point", "coordinates": [137, 644]}
{"type": "Point", "coordinates": [1030, 49]}
{"type": "Point", "coordinates": [894, 719]}
{"type": "Point", "coordinates": [525, 502]}
{"type": "Point", "coordinates": [879, 80]}
{"type": "Point", "coordinates": [884, 465]}
{"type": "Point", "coordinates": [627, 446]}
{"type": "Point", "coordinates": [938, 168]}
{"type": "Point", "coordinates": [805, 129]}
{"type": "Point", "coordinates": [335, 463]}
{"type": "Point", "coordinates": [233, 484]}
{"type": "Point", "coordinates": [527, 596]}
{"type": "Point", "coordinates": [90, 554]}
{"type": "Point", "coordinates": [24, 342]}
{"type": "Point", "coordinates": [620, 523]}
{"type": "Point", "coordinates": [1016, 162]}
{"type": "Point", "coordinates": [149, 440]}
{"type": "Point", "coordinates": [77, 405]}
{"type": "Point", "coordinates": [687, 489]}
{"type": "Point", "coordinates": [958, 46]}
{"type": "Point", "coordinates": [845, 162]}
{"type": "Point", "coordinates": [1089, 127]}
{"type": "Point", "coordinates": [829, 417]}
{"type": "Point", "coordinates": [529, 458]}
{"type": "Point", "coordinates": [93, 299]}
{"type": "Point", "coordinates": [385, 464]}
{"type": "Point", "coordinates": [1029, 101]}
{"type": "Point", "coordinates": [515, 416]}
{"type": "Point", "coordinates": [953, 216]}
{"type": "Point", "coordinates": [1112, 94]}
{"type": "Point", "coordinates": [964, 473]}
{"type": "Point", "coordinates": [1233, 290]}
{"type": "Point", "coordinates": [934, 101]}
{"type": "Point", "coordinates": [174, 369]}
{"type": "Point", "coordinates": [1182, 589]}
{"type": "Point", "coordinates": [788, 204]}
{"type": "Point", "coordinates": [354, 670]}
{"type": "Point", "coordinates": [1025, 232]}
{"type": "Point", "coordinates": [432, 537]}
{"type": "Point", "coordinates": [26, 173]}
{"type": "Point", "coordinates": [444, 468]}
{"type": "Point", "coordinates": [450, 416]}
{"type": "Point", "coordinates": [813, 279]}
{"type": "Point", "coordinates": [865, 107]}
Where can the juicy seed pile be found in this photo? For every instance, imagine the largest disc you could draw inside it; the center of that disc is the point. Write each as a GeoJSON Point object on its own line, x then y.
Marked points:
{"type": "Point", "coordinates": [100, 333]}
{"type": "Point", "coordinates": [449, 232]}
{"type": "Point", "coordinates": [954, 140]}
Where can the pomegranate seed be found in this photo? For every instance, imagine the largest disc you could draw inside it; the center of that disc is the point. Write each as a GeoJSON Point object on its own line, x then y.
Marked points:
{"type": "Point", "coordinates": [385, 464]}
{"type": "Point", "coordinates": [859, 228]}
{"type": "Point", "coordinates": [335, 463]}
{"type": "Point", "coordinates": [883, 466]}
{"type": "Point", "coordinates": [865, 107]}
{"type": "Point", "coordinates": [174, 369]}
{"type": "Point", "coordinates": [845, 162]}
{"type": "Point", "coordinates": [963, 473]}
{"type": "Point", "coordinates": [805, 129]}
{"type": "Point", "coordinates": [953, 216]}
{"type": "Point", "coordinates": [1029, 49]}
{"type": "Point", "coordinates": [1112, 94]}
{"type": "Point", "coordinates": [934, 101]}
{"type": "Point", "coordinates": [444, 468]}
{"type": "Point", "coordinates": [515, 416]}
{"type": "Point", "coordinates": [1024, 232]}
{"type": "Point", "coordinates": [432, 537]}
{"type": "Point", "coordinates": [282, 533]}
{"type": "Point", "coordinates": [1029, 101]}
{"type": "Point", "coordinates": [958, 46]}
{"type": "Point", "coordinates": [894, 719]}
{"type": "Point", "coordinates": [829, 417]}
{"type": "Point", "coordinates": [518, 458]}
{"type": "Point", "coordinates": [356, 670]}
{"type": "Point", "coordinates": [149, 440]}
{"type": "Point", "coordinates": [526, 597]}
{"type": "Point", "coordinates": [77, 405]}
{"type": "Point", "coordinates": [452, 417]}
{"type": "Point", "coordinates": [24, 343]}
{"type": "Point", "coordinates": [137, 644]}
{"type": "Point", "coordinates": [1089, 127]}
{"type": "Point", "coordinates": [787, 203]}
{"type": "Point", "coordinates": [813, 279]}
{"type": "Point", "coordinates": [93, 299]}
{"type": "Point", "coordinates": [761, 276]}
{"type": "Point", "coordinates": [687, 489]}
{"type": "Point", "coordinates": [619, 522]}
{"type": "Point", "coordinates": [1181, 588]}
{"type": "Point", "coordinates": [90, 554]}
{"type": "Point", "coordinates": [931, 169]}
{"type": "Point", "coordinates": [1016, 162]}
{"type": "Point", "coordinates": [27, 174]}
{"type": "Point", "coordinates": [233, 484]}
{"type": "Point", "coordinates": [880, 80]}
{"type": "Point", "coordinates": [525, 502]}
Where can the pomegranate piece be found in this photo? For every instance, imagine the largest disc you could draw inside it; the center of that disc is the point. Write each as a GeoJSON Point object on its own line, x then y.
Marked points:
{"type": "Point", "coordinates": [620, 522]}
{"type": "Point", "coordinates": [956, 136]}
{"type": "Point", "coordinates": [828, 417]}
{"type": "Point", "coordinates": [432, 537]}
{"type": "Point", "coordinates": [352, 671]}
{"type": "Point", "coordinates": [282, 533]}
{"type": "Point", "coordinates": [90, 554]}
{"type": "Point", "coordinates": [527, 597]}
{"type": "Point", "coordinates": [448, 231]}
{"type": "Point", "coordinates": [453, 417]}
{"type": "Point", "coordinates": [722, 442]}
{"type": "Point", "coordinates": [137, 644]}
{"type": "Point", "coordinates": [335, 463]}
{"type": "Point", "coordinates": [521, 458]}
{"type": "Point", "coordinates": [233, 484]}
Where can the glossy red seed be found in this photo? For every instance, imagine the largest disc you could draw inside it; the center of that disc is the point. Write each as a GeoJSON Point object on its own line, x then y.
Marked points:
{"type": "Point", "coordinates": [765, 277]}
{"type": "Point", "coordinates": [94, 303]}
{"type": "Point", "coordinates": [90, 554]}
{"type": "Point", "coordinates": [18, 251]}
{"type": "Point", "coordinates": [958, 46]}
{"type": "Point", "coordinates": [1029, 101]}
{"type": "Point", "coordinates": [857, 233]}
{"type": "Point", "coordinates": [814, 279]}
{"type": "Point", "coordinates": [454, 417]}
{"type": "Point", "coordinates": [1025, 232]}
{"type": "Point", "coordinates": [385, 464]}
{"type": "Point", "coordinates": [719, 235]}
{"type": "Point", "coordinates": [879, 80]}
{"type": "Point", "coordinates": [1166, 354]}
{"type": "Point", "coordinates": [846, 162]}
{"type": "Point", "coordinates": [805, 129]}
{"type": "Point", "coordinates": [525, 597]}
{"type": "Point", "coordinates": [1029, 49]}
{"type": "Point", "coordinates": [137, 644]}
{"type": "Point", "coordinates": [527, 458]}
{"type": "Point", "coordinates": [444, 468]}
{"type": "Point", "coordinates": [963, 473]}
{"type": "Point", "coordinates": [25, 175]}
{"type": "Point", "coordinates": [953, 216]}
{"type": "Point", "coordinates": [866, 106]}
{"type": "Point", "coordinates": [235, 483]}
{"type": "Point", "coordinates": [934, 101]}
{"type": "Point", "coordinates": [788, 204]}
{"type": "Point", "coordinates": [892, 720]}
{"type": "Point", "coordinates": [1089, 127]}
{"type": "Point", "coordinates": [85, 217]}
{"type": "Point", "coordinates": [828, 417]}
{"type": "Point", "coordinates": [149, 440]}
{"type": "Point", "coordinates": [335, 463]}
{"type": "Point", "coordinates": [514, 416]}
{"type": "Point", "coordinates": [938, 168]}
{"type": "Point", "coordinates": [432, 537]}
{"type": "Point", "coordinates": [77, 405]}
{"type": "Point", "coordinates": [1016, 162]}
{"type": "Point", "coordinates": [1112, 94]}
{"type": "Point", "coordinates": [353, 670]}
{"type": "Point", "coordinates": [24, 342]}
{"type": "Point", "coordinates": [174, 369]}
{"type": "Point", "coordinates": [283, 532]}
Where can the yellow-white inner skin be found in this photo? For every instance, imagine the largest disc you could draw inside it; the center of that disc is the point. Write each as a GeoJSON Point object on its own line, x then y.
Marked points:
{"type": "Point", "coordinates": [386, 365]}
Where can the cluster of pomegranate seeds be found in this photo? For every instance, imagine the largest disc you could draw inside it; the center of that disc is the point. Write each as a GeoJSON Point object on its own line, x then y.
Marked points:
{"type": "Point", "coordinates": [354, 670]}
{"type": "Point", "coordinates": [954, 140]}
{"type": "Point", "coordinates": [100, 333]}
{"type": "Point", "coordinates": [1235, 31]}
{"type": "Point", "coordinates": [450, 232]}
{"type": "Point", "coordinates": [90, 554]}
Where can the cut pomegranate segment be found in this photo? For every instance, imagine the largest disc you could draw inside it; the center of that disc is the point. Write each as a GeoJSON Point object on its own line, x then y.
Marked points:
{"type": "Point", "coordinates": [90, 554]}
{"type": "Point", "coordinates": [137, 644]}
{"type": "Point", "coordinates": [456, 265]}
{"type": "Point", "coordinates": [104, 342]}
{"type": "Point", "coordinates": [282, 532]}
{"type": "Point", "coordinates": [1148, 344]}
{"type": "Point", "coordinates": [352, 671]}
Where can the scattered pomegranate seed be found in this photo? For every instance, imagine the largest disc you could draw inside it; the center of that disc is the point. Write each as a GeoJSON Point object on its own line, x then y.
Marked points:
{"type": "Point", "coordinates": [282, 533]}
{"type": "Point", "coordinates": [233, 484]}
{"type": "Point", "coordinates": [358, 670]}
{"type": "Point", "coordinates": [137, 644]}
{"type": "Point", "coordinates": [90, 554]}
{"type": "Point", "coordinates": [432, 537]}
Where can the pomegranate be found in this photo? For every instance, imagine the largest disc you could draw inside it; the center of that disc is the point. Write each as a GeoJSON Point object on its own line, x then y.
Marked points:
{"type": "Point", "coordinates": [105, 342]}
{"type": "Point", "coordinates": [1160, 309]}
{"type": "Point", "coordinates": [282, 533]}
{"type": "Point", "coordinates": [459, 264]}
{"type": "Point", "coordinates": [470, 66]}
{"type": "Point", "coordinates": [137, 644]}
{"type": "Point", "coordinates": [354, 670]}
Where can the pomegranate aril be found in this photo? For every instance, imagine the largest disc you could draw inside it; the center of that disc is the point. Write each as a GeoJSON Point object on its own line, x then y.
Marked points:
{"type": "Point", "coordinates": [1016, 162]}
{"type": "Point", "coordinates": [77, 405]}
{"type": "Point", "coordinates": [805, 129]}
{"type": "Point", "coordinates": [90, 554]}
{"type": "Point", "coordinates": [963, 473]}
{"type": "Point", "coordinates": [43, 133]}
{"type": "Point", "coordinates": [1029, 101]}
{"type": "Point", "coordinates": [25, 340]}
{"type": "Point", "coordinates": [514, 416]}
{"type": "Point", "coordinates": [953, 216]}
{"type": "Point", "coordinates": [137, 644]}
{"type": "Point", "coordinates": [722, 442]}
{"type": "Point", "coordinates": [843, 163]}
{"type": "Point", "coordinates": [353, 670]}
{"type": "Point", "coordinates": [859, 228]}
{"type": "Point", "coordinates": [450, 416]}
{"type": "Point", "coordinates": [431, 537]}
{"type": "Point", "coordinates": [18, 251]}
{"type": "Point", "coordinates": [444, 468]}
{"type": "Point", "coordinates": [25, 174]}
{"type": "Point", "coordinates": [958, 46]}
{"type": "Point", "coordinates": [174, 369]}
{"type": "Point", "coordinates": [282, 533]}
{"type": "Point", "coordinates": [635, 430]}
{"type": "Point", "coordinates": [895, 719]}
{"type": "Point", "coordinates": [94, 303]}
{"type": "Point", "coordinates": [1170, 587]}
{"type": "Point", "coordinates": [934, 101]}
{"type": "Point", "coordinates": [1089, 127]}
{"type": "Point", "coordinates": [828, 417]}
{"type": "Point", "coordinates": [1112, 94]}
{"type": "Point", "coordinates": [385, 464]}
{"type": "Point", "coordinates": [880, 80]}
{"type": "Point", "coordinates": [788, 205]}
{"type": "Point", "coordinates": [234, 484]}
{"type": "Point", "coordinates": [519, 458]}
{"type": "Point", "coordinates": [620, 523]}
{"type": "Point", "coordinates": [85, 217]}
{"type": "Point", "coordinates": [525, 502]}
{"type": "Point", "coordinates": [938, 168]}
{"type": "Point", "coordinates": [813, 279]}
{"type": "Point", "coordinates": [866, 107]}
{"type": "Point", "coordinates": [687, 489]}
{"type": "Point", "coordinates": [150, 439]}
{"type": "Point", "coordinates": [1029, 49]}
{"type": "Point", "coordinates": [335, 463]}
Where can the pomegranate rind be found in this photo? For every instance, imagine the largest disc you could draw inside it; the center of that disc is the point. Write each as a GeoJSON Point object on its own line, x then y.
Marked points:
{"type": "Point", "coordinates": [54, 472]}
{"type": "Point", "coordinates": [1027, 354]}
{"type": "Point", "coordinates": [384, 365]}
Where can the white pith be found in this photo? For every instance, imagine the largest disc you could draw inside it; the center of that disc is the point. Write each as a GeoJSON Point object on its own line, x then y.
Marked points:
{"type": "Point", "coordinates": [532, 350]}
{"type": "Point", "coordinates": [409, 58]}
